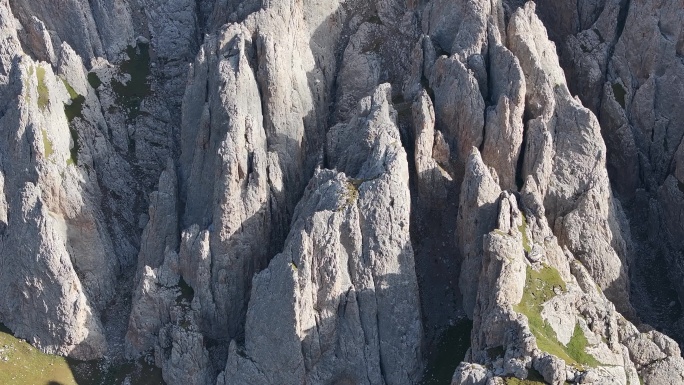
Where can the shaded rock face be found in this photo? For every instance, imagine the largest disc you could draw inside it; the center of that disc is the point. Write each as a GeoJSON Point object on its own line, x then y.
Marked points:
{"type": "Point", "coordinates": [257, 192]}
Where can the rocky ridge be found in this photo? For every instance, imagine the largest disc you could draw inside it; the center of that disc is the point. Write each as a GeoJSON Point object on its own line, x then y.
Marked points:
{"type": "Point", "coordinates": [312, 192]}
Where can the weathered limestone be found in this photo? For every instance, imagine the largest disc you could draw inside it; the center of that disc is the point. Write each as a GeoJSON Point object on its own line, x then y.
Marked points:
{"type": "Point", "coordinates": [566, 156]}
{"type": "Point", "coordinates": [348, 302]}
{"type": "Point", "coordinates": [530, 317]}
{"type": "Point", "coordinates": [504, 122]}
{"type": "Point", "coordinates": [94, 29]}
{"type": "Point", "coordinates": [57, 260]}
{"type": "Point", "coordinates": [477, 214]}
{"type": "Point", "coordinates": [235, 169]}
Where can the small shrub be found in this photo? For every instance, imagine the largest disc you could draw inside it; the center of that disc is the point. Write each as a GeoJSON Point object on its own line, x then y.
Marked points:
{"type": "Point", "coordinates": [352, 193]}
{"type": "Point", "coordinates": [94, 80]}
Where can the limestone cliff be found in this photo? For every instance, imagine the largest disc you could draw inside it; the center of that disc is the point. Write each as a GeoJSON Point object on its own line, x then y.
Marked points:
{"type": "Point", "coordinates": [315, 192]}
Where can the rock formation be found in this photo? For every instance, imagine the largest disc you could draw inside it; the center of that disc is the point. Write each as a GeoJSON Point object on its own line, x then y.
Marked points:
{"type": "Point", "coordinates": [287, 192]}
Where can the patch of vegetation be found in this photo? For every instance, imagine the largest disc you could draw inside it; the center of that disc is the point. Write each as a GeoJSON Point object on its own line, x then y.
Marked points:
{"type": "Point", "coordinates": [43, 93]}
{"type": "Point", "coordinates": [73, 151]}
{"type": "Point", "coordinates": [73, 111]}
{"type": "Point", "coordinates": [540, 287]}
{"type": "Point", "coordinates": [28, 365]}
{"type": "Point", "coordinates": [451, 349]}
{"type": "Point", "coordinates": [47, 145]}
{"type": "Point", "coordinates": [352, 192]}
{"type": "Point", "coordinates": [619, 93]}
{"type": "Point", "coordinates": [533, 378]}
{"type": "Point", "coordinates": [577, 348]}
{"type": "Point", "coordinates": [523, 229]}
{"type": "Point", "coordinates": [21, 363]}
{"type": "Point", "coordinates": [129, 96]}
{"type": "Point", "coordinates": [94, 80]}
{"type": "Point", "coordinates": [72, 92]}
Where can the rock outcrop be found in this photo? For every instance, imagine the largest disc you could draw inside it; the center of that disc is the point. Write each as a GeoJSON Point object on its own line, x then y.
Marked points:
{"type": "Point", "coordinates": [347, 304]}
{"type": "Point", "coordinates": [623, 59]}
{"type": "Point", "coordinates": [544, 318]}
{"type": "Point", "coordinates": [57, 265]}
{"type": "Point", "coordinates": [284, 192]}
{"type": "Point", "coordinates": [565, 155]}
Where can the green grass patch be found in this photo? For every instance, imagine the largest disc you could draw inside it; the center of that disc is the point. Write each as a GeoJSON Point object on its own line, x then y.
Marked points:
{"type": "Point", "coordinates": [94, 80]}
{"type": "Point", "coordinates": [43, 93]}
{"type": "Point", "coordinates": [577, 348]}
{"type": "Point", "coordinates": [450, 351]}
{"type": "Point", "coordinates": [72, 92]}
{"type": "Point", "coordinates": [129, 96]}
{"type": "Point", "coordinates": [523, 229]}
{"type": "Point", "coordinates": [28, 365]}
{"type": "Point", "coordinates": [619, 93]}
{"type": "Point", "coordinates": [533, 378]}
{"type": "Point", "coordinates": [47, 145]}
{"type": "Point", "coordinates": [539, 288]}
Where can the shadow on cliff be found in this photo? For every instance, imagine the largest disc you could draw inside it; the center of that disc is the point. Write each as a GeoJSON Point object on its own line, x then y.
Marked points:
{"type": "Point", "coordinates": [432, 223]}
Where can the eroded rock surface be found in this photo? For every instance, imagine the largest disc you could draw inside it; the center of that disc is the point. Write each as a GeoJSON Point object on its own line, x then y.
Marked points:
{"type": "Point", "coordinates": [255, 192]}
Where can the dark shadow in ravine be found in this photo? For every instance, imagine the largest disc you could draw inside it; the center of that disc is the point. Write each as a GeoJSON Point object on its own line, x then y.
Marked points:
{"type": "Point", "coordinates": [101, 372]}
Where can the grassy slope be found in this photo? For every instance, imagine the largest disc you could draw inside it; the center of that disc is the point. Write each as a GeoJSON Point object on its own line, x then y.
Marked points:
{"type": "Point", "coordinates": [539, 288]}
{"type": "Point", "coordinates": [27, 365]}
